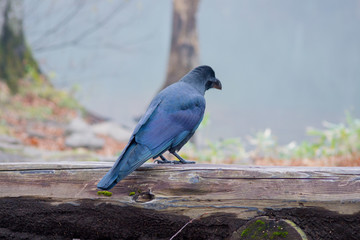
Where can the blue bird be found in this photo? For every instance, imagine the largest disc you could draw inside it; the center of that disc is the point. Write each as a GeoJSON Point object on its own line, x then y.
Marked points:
{"type": "Point", "coordinates": [169, 122]}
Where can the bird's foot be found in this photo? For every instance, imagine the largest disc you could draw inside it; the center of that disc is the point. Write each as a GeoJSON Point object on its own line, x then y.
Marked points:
{"type": "Point", "coordinates": [181, 160]}
{"type": "Point", "coordinates": [158, 161]}
{"type": "Point", "coordinates": [165, 161]}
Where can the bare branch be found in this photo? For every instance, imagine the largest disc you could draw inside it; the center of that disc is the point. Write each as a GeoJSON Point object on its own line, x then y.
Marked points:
{"type": "Point", "coordinates": [63, 22]}
{"type": "Point", "coordinates": [186, 225]}
{"type": "Point", "coordinates": [85, 33]}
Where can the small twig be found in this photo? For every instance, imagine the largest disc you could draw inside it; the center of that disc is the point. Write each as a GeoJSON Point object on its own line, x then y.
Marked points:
{"type": "Point", "coordinates": [85, 33]}
{"type": "Point", "coordinates": [186, 225]}
{"type": "Point", "coordinates": [60, 24]}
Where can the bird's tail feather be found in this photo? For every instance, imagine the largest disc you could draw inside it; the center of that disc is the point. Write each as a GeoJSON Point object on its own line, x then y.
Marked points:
{"type": "Point", "coordinates": [131, 158]}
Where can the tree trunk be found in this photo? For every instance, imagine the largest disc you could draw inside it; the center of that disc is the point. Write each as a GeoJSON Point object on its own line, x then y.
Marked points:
{"type": "Point", "coordinates": [184, 53]}
{"type": "Point", "coordinates": [16, 58]}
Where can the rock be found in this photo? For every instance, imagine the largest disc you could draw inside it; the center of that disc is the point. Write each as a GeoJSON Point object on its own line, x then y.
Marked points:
{"type": "Point", "coordinates": [80, 134]}
{"type": "Point", "coordinates": [32, 133]}
{"type": "Point", "coordinates": [78, 125]}
{"type": "Point", "coordinates": [10, 157]}
{"type": "Point", "coordinates": [84, 139]}
{"type": "Point", "coordinates": [33, 152]}
{"type": "Point", "coordinates": [10, 144]}
{"type": "Point", "coordinates": [9, 140]}
{"type": "Point", "coordinates": [113, 130]}
{"type": "Point", "coordinates": [9, 147]}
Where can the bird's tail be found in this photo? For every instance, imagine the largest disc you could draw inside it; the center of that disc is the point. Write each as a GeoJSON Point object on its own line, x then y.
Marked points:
{"type": "Point", "coordinates": [131, 158]}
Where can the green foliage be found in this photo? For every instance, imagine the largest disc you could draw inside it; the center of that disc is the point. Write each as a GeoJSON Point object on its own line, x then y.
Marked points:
{"type": "Point", "coordinates": [33, 73]}
{"type": "Point", "coordinates": [38, 100]}
{"type": "Point", "coordinates": [265, 143]}
{"type": "Point", "coordinates": [31, 112]}
{"type": "Point", "coordinates": [41, 88]}
{"type": "Point", "coordinates": [215, 151]}
{"type": "Point", "coordinates": [334, 140]}
{"type": "Point", "coordinates": [39, 112]}
{"type": "Point", "coordinates": [3, 127]}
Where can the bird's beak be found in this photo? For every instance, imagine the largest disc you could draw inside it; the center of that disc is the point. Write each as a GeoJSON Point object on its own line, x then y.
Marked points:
{"type": "Point", "coordinates": [217, 84]}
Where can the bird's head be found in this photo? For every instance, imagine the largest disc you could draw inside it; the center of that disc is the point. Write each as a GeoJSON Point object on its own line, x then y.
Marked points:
{"type": "Point", "coordinates": [203, 78]}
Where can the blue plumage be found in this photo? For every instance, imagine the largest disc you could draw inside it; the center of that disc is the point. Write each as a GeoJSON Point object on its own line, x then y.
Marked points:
{"type": "Point", "coordinates": [169, 122]}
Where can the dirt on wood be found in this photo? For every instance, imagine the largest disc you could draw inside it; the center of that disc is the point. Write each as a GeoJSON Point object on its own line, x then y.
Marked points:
{"type": "Point", "coordinates": [31, 218]}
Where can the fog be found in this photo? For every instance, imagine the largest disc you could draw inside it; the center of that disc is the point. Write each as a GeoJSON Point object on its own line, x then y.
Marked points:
{"type": "Point", "coordinates": [284, 65]}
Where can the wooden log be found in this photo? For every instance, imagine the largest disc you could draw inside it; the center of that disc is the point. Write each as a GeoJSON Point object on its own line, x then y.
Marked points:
{"type": "Point", "coordinates": [191, 191]}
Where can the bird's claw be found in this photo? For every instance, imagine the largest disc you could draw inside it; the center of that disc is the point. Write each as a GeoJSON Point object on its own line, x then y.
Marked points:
{"type": "Point", "coordinates": [158, 161]}
{"type": "Point", "coordinates": [183, 161]}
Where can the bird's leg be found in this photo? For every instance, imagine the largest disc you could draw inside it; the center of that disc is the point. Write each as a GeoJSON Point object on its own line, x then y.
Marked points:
{"type": "Point", "coordinates": [164, 160]}
{"type": "Point", "coordinates": [183, 161]}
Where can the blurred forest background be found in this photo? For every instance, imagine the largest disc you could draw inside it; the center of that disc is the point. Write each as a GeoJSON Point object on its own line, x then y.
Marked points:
{"type": "Point", "coordinates": [75, 74]}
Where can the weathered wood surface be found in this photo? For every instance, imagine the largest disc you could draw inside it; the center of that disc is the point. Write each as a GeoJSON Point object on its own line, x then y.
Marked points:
{"type": "Point", "coordinates": [191, 189]}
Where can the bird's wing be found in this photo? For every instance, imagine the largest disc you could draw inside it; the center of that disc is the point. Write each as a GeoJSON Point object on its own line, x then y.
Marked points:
{"type": "Point", "coordinates": [149, 112]}
{"type": "Point", "coordinates": [132, 156]}
{"type": "Point", "coordinates": [170, 124]}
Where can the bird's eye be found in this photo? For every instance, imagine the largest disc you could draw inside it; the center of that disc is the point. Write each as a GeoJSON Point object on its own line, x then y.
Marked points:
{"type": "Point", "coordinates": [208, 85]}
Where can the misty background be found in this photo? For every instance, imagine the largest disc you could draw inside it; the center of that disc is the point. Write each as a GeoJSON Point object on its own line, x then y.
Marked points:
{"type": "Point", "coordinates": [284, 65]}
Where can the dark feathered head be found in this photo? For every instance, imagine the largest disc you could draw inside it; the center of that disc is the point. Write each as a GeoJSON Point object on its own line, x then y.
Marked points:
{"type": "Point", "coordinates": [202, 78]}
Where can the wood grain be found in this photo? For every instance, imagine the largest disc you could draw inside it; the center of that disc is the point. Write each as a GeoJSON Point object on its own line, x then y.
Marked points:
{"type": "Point", "coordinates": [191, 189]}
